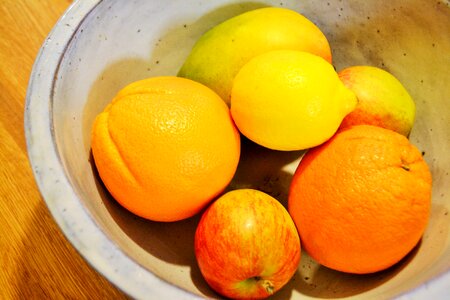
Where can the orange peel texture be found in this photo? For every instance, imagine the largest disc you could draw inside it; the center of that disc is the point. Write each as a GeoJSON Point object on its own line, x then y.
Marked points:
{"type": "Point", "coordinates": [361, 201]}
{"type": "Point", "coordinates": [165, 147]}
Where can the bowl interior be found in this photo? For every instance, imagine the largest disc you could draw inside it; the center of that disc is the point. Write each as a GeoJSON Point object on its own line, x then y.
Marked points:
{"type": "Point", "coordinates": [123, 41]}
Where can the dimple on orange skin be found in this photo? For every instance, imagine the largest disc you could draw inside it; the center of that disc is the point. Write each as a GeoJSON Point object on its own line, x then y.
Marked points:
{"type": "Point", "coordinates": [245, 242]}
{"type": "Point", "coordinates": [361, 201]}
{"type": "Point", "coordinates": [165, 147]}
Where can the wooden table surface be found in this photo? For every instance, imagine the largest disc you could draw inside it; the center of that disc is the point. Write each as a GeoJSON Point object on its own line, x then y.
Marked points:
{"type": "Point", "coordinates": [36, 261]}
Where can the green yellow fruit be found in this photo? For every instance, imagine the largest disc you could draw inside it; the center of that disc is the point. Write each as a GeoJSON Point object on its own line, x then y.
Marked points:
{"type": "Point", "coordinates": [220, 53]}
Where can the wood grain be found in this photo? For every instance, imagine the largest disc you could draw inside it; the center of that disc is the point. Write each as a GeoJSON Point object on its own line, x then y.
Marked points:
{"type": "Point", "coordinates": [36, 261]}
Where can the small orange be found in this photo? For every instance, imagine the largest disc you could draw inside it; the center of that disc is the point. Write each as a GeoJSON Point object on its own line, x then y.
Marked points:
{"type": "Point", "coordinates": [361, 201]}
{"type": "Point", "coordinates": [165, 147]}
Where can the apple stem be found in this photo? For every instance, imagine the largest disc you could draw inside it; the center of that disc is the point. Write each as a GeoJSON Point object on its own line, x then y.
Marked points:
{"type": "Point", "coordinates": [268, 286]}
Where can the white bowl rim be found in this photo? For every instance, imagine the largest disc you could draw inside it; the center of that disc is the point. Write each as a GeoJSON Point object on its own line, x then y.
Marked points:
{"type": "Point", "coordinates": [54, 184]}
{"type": "Point", "coordinates": [58, 194]}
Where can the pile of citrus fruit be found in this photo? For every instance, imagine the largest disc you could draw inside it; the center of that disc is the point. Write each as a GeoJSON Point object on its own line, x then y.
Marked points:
{"type": "Point", "coordinates": [167, 147]}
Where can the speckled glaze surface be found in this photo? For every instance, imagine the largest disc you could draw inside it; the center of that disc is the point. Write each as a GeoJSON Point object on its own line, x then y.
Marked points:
{"type": "Point", "coordinates": [98, 47]}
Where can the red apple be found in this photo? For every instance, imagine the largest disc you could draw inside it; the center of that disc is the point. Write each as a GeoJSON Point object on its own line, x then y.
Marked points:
{"type": "Point", "coordinates": [247, 245]}
{"type": "Point", "coordinates": [382, 100]}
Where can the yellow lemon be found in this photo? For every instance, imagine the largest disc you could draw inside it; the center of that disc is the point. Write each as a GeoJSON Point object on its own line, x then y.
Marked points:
{"type": "Point", "coordinates": [289, 100]}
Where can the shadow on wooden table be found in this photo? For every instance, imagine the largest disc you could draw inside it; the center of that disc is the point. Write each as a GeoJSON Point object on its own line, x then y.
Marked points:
{"type": "Point", "coordinates": [49, 263]}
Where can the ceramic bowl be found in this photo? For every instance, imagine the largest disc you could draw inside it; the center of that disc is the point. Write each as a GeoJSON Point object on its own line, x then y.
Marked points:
{"type": "Point", "coordinates": [98, 47]}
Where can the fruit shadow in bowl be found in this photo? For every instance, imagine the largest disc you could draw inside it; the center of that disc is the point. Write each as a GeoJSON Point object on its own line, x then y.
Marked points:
{"type": "Point", "coordinates": [173, 242]}
{"type": "Point", "coordinates": [318, 281]}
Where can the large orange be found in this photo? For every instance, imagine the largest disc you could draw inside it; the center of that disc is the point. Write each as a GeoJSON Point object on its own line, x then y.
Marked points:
{"type": "Point", "coordinates": [165, 147]}
{"type": "Point", "coordinates": [361, 200]}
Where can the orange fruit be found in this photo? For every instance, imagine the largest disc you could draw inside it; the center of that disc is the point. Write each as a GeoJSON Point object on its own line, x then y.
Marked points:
{"type": "Point", "coordinates": [165, 147]}
{"type": "Point", "coordinates": [361, 201]}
